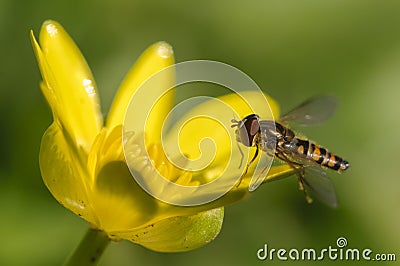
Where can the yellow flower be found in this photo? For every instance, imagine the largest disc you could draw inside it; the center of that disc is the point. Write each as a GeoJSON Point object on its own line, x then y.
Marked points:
{"type": "Point", "coordinates": [82, 160]}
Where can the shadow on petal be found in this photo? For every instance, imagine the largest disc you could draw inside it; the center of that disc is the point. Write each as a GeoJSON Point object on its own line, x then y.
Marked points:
{"type": "Point", "coordinates": [120, 203]}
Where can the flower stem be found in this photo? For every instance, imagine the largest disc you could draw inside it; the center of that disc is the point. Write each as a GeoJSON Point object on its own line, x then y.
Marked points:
{"type": "Point", "coordinates": [90, 249]}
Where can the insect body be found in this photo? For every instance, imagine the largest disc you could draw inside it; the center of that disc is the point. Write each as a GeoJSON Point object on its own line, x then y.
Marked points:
{"type": "Point", "coordinates": [275, 138]}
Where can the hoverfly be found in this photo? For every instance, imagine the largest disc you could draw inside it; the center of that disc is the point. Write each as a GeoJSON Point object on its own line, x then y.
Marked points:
{"type": "Point", "coordinates": [307, 158]}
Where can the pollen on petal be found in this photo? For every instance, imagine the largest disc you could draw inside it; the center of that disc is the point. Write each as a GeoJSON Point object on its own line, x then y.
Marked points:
{"type": "Point", "coordinates": [51, 29]}
{"type": "Point", "coordinates": [165, 50]}
{"type": "Point", "coordinates": [90, 89]}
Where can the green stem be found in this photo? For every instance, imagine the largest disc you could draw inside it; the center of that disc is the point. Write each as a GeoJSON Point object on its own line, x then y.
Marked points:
{"type": "Point", "coordinates": [90, 249]}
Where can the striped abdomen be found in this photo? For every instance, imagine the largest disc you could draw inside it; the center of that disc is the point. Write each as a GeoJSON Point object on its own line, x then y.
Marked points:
{"type": "Point", "coordinates": [321, 155]}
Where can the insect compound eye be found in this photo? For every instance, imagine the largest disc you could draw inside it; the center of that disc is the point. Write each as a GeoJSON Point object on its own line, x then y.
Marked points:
{"type": "Point", "coordinates": [246, 131]}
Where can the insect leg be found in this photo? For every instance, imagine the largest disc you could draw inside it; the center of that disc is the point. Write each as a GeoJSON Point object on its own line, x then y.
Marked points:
{"type": "Point", "coordinates": [248, 165]}
{"type": "Point", "coordinates": [241, 155]}
{"type": "Point", "coordinates": [299, 174]}
{"type": "Point", "coordinates": [300, 178]}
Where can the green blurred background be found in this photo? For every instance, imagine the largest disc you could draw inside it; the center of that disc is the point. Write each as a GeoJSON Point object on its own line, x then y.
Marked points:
{"type": "Point", "coordinates": [292, 49]}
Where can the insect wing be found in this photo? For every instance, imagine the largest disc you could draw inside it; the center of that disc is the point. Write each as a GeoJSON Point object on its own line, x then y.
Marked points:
{"type": "Point", "coordinates": [317, 183]}
{"type": "Point", "coordinates": [312, 112]}
{"type": "Point", "coordinates": [261, 170]}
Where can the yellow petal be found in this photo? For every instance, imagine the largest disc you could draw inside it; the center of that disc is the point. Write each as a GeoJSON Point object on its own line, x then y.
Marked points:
{"type": "Point", "coordinates": [69, 83]}
{"type": "Point", "coordinates": [205, 135]}
{"type": "Point", "coordinates": [238, 192]}
{"type": "Point", "coordinates": [177, 234]}
{"type": "Point", "coordinates": [155, 58]}
{"type": "Point", "coordinates": [63, 173]}
{"type": "Point", "coordinates": [278, 172]}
